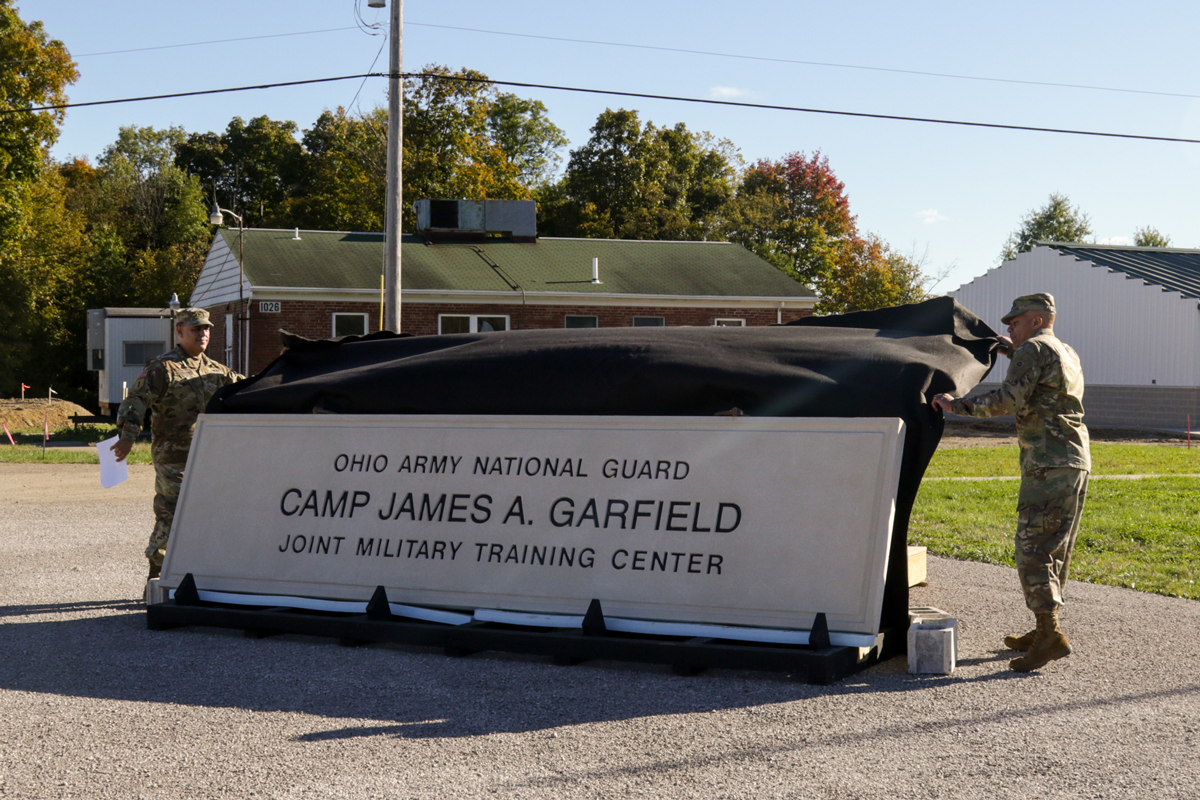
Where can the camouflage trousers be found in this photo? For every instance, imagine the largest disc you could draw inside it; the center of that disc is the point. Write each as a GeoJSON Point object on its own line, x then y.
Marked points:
{"type": "Point", "coordinates": [167, 480]}
{"type": "Point", "coordinates": [1049, 507]}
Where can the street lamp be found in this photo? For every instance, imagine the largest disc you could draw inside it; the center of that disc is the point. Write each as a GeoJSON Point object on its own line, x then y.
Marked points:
{"type": "Point", "coordinates": [217, 219]}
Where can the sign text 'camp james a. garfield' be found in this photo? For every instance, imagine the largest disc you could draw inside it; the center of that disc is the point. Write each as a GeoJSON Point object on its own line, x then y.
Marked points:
{"type": "Point", "coordinates": [727, 520]}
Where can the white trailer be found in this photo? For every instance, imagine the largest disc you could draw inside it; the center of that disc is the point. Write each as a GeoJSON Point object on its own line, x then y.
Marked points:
{"type": "Point", "coordinates": [120, 342]}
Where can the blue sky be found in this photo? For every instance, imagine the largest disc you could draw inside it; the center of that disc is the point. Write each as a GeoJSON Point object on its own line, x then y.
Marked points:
{"type": "Point", "coordinates": [948, 194]}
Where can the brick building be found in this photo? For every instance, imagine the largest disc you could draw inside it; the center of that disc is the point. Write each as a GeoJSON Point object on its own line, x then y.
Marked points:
{"type": "Point", "coordinates": [321, 284]}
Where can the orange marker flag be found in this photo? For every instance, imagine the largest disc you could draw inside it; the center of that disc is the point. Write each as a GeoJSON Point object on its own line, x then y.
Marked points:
{"type": "Point", "coordinates": [9, 434]}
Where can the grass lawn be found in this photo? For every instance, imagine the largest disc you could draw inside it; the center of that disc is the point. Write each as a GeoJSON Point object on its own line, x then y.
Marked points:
{"type": "Point", "coordinates": [1107, 459]}
{"type": "Point", "coordinates": [1138, 533]}
{"type": "Point", "coordinates": [29, 446]}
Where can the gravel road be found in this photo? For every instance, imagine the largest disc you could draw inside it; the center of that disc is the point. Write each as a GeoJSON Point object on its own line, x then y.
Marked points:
{"type": "Point", "coordinates": [94, 705]}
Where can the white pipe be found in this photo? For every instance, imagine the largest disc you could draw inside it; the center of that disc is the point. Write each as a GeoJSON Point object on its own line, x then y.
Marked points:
{"type": "Point", "coordinates": [779, 314]}
{"type": "Point", "coordinates": [596, 270]}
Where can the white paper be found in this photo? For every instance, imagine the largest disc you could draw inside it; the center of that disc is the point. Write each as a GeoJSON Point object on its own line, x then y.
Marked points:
{"type": "Point", "coordinates": [112, 471]}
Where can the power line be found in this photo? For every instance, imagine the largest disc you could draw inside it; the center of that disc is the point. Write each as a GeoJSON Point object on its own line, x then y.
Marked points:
{"type": "Point", "coordinates": [191, 94]}
{"type": "Point", "coordinates": [371, 29]}
{"type": "Point", "coordinates": [808, 63]}
{"type": "Point", "coordinates": [615, 93]}
{"type": "Point", "coordinates": [378, 53]}
{"type": "Point", "coordinates": [717, 54]}
{"type": "Point", "coordinates": [862, 114]}
{"type": "Point", "coordinates": [213, 41]}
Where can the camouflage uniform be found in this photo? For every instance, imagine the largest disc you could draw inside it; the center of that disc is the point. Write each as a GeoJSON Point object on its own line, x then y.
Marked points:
{"type": "Point", "coordinates": [1044, 388]}
{"type": "Point", "coordinates": [175, 388]}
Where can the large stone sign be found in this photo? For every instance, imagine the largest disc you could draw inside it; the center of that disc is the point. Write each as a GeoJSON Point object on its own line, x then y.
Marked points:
{"type": "Point", "coordinates": [723, 520]}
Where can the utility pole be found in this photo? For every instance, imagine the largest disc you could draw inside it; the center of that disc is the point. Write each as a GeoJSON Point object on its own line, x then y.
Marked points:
{"type": "Point", "coordinates": [395, 158]}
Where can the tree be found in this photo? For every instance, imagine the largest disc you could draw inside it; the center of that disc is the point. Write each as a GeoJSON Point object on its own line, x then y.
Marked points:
{"type": "Point", "coordinates": [38, 289]}
{"type": "Point", "coordinates": [345, 181]}
{"type": "Point", "coordinates": [449, 151]}
{"type": "Point", "coordinates": [461, 140]}
{"type": "Point", "coordinates": [1150, 237]}
{"type": "Point", "coordinates": [254, 168]}
{"type": "Point", "coordinates": [630, 181]}
{"type": "Point", "coordinates": [36, 72]}
{"type": "Point", "coordinates": [527, 138]}
{"type": "Point", "coordinates": [150, 201]}
{"type": "Point", "coordinates": [793, 213]}
{"type": "Point", "coordinates": [867, 275]}
{"type": "Point", "coordinates": [127, 232]}
{"type": "Point", "coordinates": [1057, 221]}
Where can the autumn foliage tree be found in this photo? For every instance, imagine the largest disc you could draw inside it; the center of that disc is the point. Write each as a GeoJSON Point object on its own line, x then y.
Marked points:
{"type": "Point", "coordinates": [794, 213]}
{"type": "Point", "coordinates": [867, 274]}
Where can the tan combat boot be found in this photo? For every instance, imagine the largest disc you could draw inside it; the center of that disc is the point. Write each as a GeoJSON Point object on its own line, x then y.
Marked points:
{"type": "Point", "coordinates": [1020, 642]}
{"type": "Point", "coordinates": [1049, 644]}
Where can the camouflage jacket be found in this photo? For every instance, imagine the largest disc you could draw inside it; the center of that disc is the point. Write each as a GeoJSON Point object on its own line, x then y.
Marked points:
{"type": "Point", "coordinates": [1044, 389]}
{"type": "Point", "coordinates": [174, 388]}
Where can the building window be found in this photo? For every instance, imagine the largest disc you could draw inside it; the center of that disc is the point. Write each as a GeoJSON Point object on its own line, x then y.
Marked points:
{"type": "Point", "coordinates": [729, 323]}
{"type": "Point", "coordinates": [138, 353]}
{"type": "Point", "coordinates": [578, 321]}
{"type": "Point", "coordinates": [649, 322]}
{"type": "Point", "coordinates": [471, 323]}
{"type": "Point", "coordinates": [349, 325]}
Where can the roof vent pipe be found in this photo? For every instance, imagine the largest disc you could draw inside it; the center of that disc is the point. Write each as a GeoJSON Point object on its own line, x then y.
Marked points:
{"type": "Point", "coordinates": [596, 271]}
{"type": "Point", "coordinates": [296, 235]}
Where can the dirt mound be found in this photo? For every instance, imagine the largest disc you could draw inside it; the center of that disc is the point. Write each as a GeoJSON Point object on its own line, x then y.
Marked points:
{"type": "Point", "coordinates": [31, 414]}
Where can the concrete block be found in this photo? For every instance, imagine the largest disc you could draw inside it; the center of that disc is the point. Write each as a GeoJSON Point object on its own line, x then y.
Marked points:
{"type": "Point", "coordinates": [930, 650]}
{"type": "Point", "coordinates": [932, 641]}
{"type": "Point", "coordinates": [155, 593]}
{"type": "Point", "coordinates": [917, 573]}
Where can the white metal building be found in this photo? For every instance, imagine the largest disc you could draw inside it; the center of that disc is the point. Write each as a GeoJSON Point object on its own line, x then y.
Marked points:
{"type": "Point", "coordinates": [120, 342]}
{"type": "Point", "coordinates": [1130, 312]}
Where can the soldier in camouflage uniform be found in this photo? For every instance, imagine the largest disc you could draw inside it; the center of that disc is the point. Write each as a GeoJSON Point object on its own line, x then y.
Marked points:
{"type": "Point", "coordinates": [175, 387]}
{"type": "Point", "coordinates": [1044, 389]}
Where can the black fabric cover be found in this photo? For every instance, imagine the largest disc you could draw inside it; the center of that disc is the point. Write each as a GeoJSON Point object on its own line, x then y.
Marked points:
{"type": "Point", "coordinates": [884, 363]}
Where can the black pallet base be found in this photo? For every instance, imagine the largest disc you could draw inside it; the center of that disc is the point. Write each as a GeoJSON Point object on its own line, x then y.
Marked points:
{"type": "Point", "coordinates": [819, 663]}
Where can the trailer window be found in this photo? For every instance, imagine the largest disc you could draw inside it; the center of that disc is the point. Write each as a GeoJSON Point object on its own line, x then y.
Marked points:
{"type": "Point", "coordinates": [138, 353]}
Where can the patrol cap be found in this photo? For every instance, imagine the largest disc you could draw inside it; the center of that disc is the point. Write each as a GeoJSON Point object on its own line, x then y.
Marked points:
{"type": "Point", "coordinates": [193, 318]}
{"type": "Point", "coordinates": [1029, 302]}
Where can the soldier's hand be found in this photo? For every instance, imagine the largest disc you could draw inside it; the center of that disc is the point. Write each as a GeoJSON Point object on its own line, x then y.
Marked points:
{"type": "Point", "coordinates": [941, 402]}
{"type": "Point", "coordinates": [1005, 345]}
{"type": "Point", "coordinates": [122, 448]}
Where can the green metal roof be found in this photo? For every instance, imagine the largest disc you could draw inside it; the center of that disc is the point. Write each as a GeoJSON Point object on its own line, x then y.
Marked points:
{"type": "Point", "coordinates": [1174, 269]}
{"type": "Point", "coordinates": [334, 260]}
